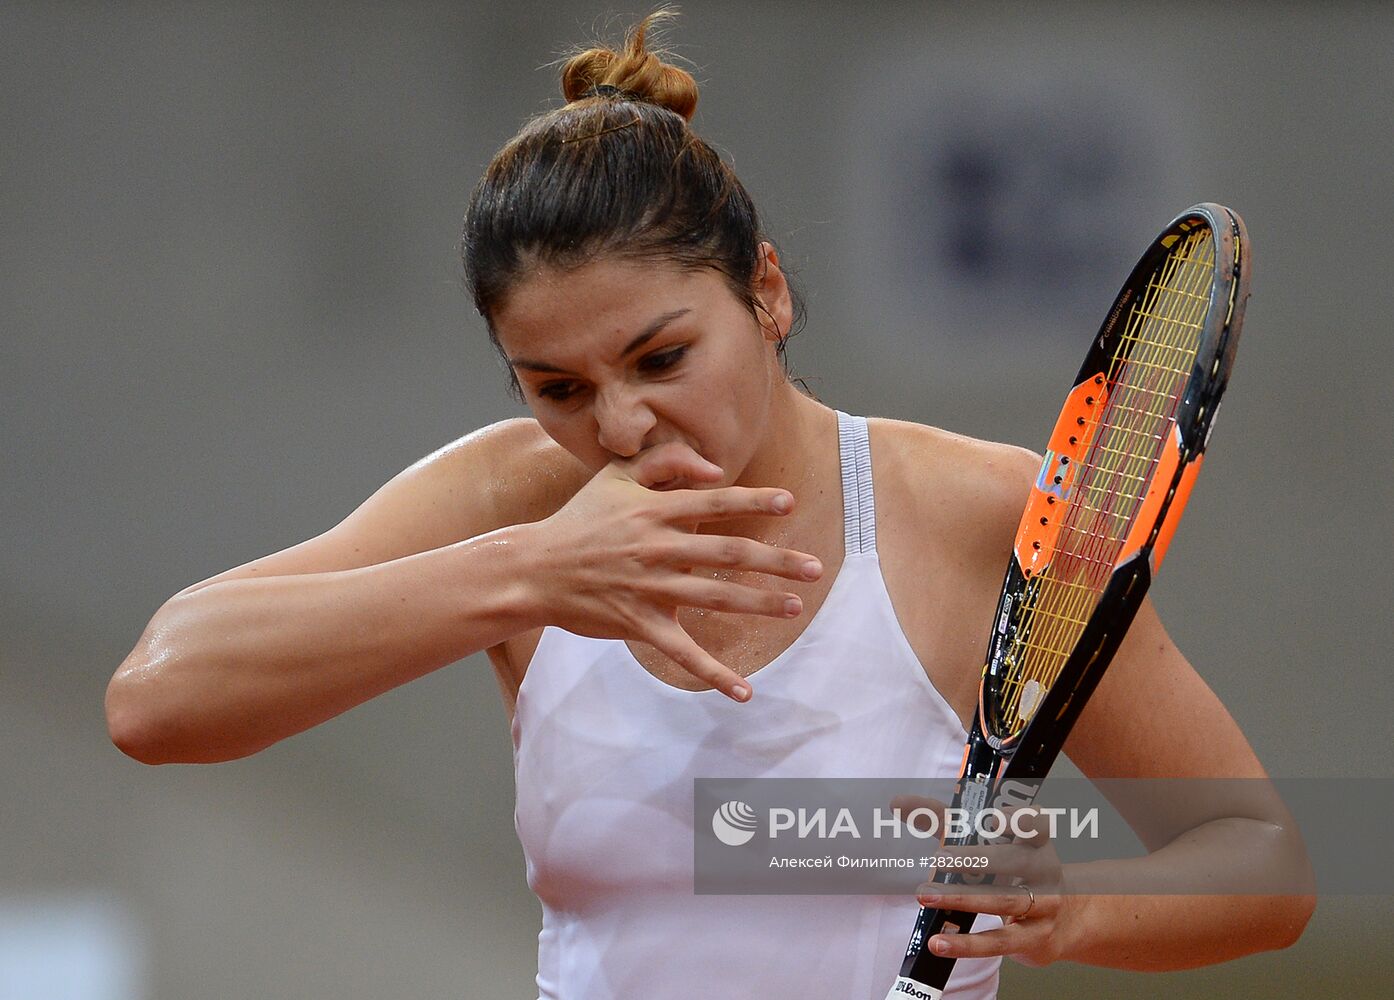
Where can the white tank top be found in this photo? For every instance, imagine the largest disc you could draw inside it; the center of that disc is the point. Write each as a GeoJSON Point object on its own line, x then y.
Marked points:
{"type": "Point", "coordinates": [605, 755]}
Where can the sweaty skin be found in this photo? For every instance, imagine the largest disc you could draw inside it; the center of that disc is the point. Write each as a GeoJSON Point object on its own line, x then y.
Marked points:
{"type": "Point", "coordinates": [643, 502]}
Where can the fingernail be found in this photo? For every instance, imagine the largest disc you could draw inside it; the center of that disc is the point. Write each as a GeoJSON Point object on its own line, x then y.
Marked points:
{"type": "Point", "coordinates": [741, 692]}
{"type": "Point", "coordinates": [930, 898]}
{"type": "Point", "coordinates": [782, 503]}
{"type": "Point", "coordinates": [793, 606]}
{"type": "Point", "coordinates": [941, 947]}
{"type": "Point", "coordinates": [812, 569]}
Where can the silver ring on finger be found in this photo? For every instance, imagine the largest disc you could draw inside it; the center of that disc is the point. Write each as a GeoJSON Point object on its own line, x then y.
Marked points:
{"type": "Point", "coordinates": [1030, 902]}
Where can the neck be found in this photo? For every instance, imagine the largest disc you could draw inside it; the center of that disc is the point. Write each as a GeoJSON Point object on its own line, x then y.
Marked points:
{"type": "Point", "coordinates": [795, 452]}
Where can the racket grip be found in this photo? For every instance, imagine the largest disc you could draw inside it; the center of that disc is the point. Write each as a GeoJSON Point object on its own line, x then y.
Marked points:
{"type": "Point", "coordinates": [923, 974]}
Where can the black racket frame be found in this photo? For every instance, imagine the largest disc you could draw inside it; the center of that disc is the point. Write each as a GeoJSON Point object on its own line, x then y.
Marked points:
{"type": "Point", "coordinates": [1000, 773]}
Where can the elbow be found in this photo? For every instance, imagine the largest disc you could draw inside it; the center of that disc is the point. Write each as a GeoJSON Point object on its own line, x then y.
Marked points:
{"type": "Point", "coordinates": [1297, 912]}
{"type": "Point", "coordinates": [138, 749]}
{"type": "Point", "coordinates": [1290, 909]}
{"type": "Point", "coordinates": [147, 710]}
{"type": "Point", "coordinates": [154, 722]}
{"type": "Point", "coordinates": [153, 699]}
{"type": "Point", "coordinates": [128, 722]}
{"type": "Point", "coordinates": [1289, 913]}
{"type": "Point", "coordinates": [1301, 901]}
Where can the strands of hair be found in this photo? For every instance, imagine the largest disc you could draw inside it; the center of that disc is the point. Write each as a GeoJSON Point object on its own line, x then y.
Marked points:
{"type": "Point", "coordinates": [615, 174]}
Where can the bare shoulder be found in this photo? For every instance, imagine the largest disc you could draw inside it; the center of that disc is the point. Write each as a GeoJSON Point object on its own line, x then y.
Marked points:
{"type": "Point", "coordinates": [509, 472]}
{"type": "Point", "coordinates": [947, 510]}
{"type": "Point", "coordinates": [973, 490]}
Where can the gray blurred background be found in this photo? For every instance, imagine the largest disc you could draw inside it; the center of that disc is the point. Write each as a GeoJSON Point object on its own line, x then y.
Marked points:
{"type": "Point", "coordinates": [230, 308]}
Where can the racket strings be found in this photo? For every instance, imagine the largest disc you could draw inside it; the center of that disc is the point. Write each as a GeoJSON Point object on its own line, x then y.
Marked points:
{"type": "Point", "coordinates": [1146, 378]}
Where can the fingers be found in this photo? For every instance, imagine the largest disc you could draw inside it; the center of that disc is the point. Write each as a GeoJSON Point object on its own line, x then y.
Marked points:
{"type": "Point", "coordinates": [1028, 826]}
{"type": "Point", "coordinates": [664, 464]}
{"type": "Point", "coordinates": [734, 598]}
{"type": "Point", "coordinates": [668, 637]}
{"type": "Point", "coordinates": [980, 944]}
{"type": "Point", "coordinates": [1027, 932]}
{"type": "Point", "coordinates": [699, 506]}
{"type": "Point", "coordinates": [1006, 901]}
{"type": "Point", "coordinates": [920, 812]}
{"type": "Point", "coordinates": [733, 552]}
{"type": "Point", "coordinates": [675, 464]}
{"type": "Point", "coordinates": [1034, 861]}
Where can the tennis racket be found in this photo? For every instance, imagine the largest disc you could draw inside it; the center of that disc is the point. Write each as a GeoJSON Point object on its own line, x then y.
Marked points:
{"type": "Point", "coordinates": [1118, 470]}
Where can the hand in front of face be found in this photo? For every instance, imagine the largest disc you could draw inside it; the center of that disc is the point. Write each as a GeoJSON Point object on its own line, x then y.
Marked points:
{"type": "Point", "coordinates": [619, 554]}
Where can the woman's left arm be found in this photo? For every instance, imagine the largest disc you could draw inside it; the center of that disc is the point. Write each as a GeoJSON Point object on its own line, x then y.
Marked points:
{"type": "Point", "coordinates": [1184, 732]}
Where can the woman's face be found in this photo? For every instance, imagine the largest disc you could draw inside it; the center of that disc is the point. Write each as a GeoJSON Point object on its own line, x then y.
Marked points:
{"type": "Point", "coordinates": [616, 357]}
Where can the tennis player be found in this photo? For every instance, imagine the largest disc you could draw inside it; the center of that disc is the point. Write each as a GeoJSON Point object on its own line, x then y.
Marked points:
{"type": "Point", "coordinates": [683, 566]}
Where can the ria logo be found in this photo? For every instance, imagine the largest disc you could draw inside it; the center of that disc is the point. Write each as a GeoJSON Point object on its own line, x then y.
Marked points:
{"type": "Point", "coordinates": [734, 823]}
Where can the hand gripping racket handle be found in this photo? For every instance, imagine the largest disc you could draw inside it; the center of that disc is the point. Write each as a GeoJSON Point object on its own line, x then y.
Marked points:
{"type": "Point", "coordinates": [923, 973]}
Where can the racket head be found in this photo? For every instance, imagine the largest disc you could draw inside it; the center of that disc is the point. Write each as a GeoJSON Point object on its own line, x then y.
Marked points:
{"type": "Point", "coordinates": [1120, 463]}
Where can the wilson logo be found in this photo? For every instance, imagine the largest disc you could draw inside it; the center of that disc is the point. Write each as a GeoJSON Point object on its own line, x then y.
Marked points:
{"type": "Point", "coordinates": [910, 988]}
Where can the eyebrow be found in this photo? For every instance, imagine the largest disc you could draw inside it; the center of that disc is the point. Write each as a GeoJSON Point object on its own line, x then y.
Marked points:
{"type": "Point", "coordinates": [649, 332]}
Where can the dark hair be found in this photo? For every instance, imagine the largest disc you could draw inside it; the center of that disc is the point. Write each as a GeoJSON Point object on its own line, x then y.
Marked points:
{"type": "Point", "coordinates": [616, 173]}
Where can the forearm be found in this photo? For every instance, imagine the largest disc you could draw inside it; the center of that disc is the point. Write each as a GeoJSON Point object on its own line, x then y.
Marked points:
{"type": "Point", "coordinates": [1168, 931]}
{"type": "Point", "coordinates": [233, 667]}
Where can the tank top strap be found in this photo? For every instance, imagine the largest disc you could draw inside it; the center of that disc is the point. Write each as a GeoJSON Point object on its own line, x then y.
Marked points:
{"type": "Point", "coordinates": [858, 500]}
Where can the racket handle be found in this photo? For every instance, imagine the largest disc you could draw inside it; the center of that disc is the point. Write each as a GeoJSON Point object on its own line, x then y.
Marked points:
{"type": "Point", "coordinates": [923, 974]}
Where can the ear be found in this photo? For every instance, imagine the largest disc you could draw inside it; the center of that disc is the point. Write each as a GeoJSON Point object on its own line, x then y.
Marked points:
{"type": "Point", "coordinates": [774, 304]}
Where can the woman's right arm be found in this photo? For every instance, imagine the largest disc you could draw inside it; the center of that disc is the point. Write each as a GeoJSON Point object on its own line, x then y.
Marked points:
{"type": "Point", "coordinates": [475, 544]}
{"type": "Point", "coordinates": [231, 668]}
{"type": "Point", "coordinates": [422, 574]}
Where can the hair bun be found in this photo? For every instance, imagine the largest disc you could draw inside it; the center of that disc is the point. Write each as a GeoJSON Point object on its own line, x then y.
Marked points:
{"type": "Point", "coordinates": [635, 71]}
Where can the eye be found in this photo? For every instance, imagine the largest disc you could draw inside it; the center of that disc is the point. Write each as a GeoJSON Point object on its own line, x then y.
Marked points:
{"type": "Point", "coordinates": [557, 391]}
{"type": "Point", "coordinates": [662, 360]}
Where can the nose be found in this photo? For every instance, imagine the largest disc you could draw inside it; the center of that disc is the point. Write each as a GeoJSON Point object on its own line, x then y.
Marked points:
{"type": "Point", "coordinates": [622, 420]}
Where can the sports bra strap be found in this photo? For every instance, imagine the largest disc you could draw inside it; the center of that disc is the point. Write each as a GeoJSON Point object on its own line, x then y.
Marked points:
{"type": "Point", "coordinates": [858, 501]}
